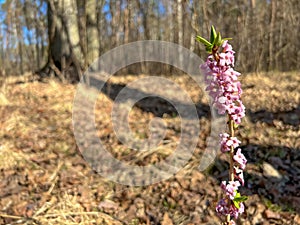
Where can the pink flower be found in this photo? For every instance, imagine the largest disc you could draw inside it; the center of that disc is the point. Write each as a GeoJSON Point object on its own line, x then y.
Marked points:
{"type": "Point", "coordinates": [227, 142]}
{"type": "Point", "coordinates": [231, 73]}
{"type": "Point", "coordinates": [234, 212]}
{"type": "Point", "coordinates": [224, 136]}
{"type": "Point", "coordinates": [223, 185]}
{"type": "Point", "coordinates": [231, 222]}
{"type": "Point", "coordinates": [240, 159]}
{"type": "Point", "coordinates": [230, 99]}
{"type": "Point", "coordinates": [238, 174]}
{"type": "Point", "coordinates": [223, 140]}
{"type": "Point", "coordinates": [227, 47]}
{"type": "Point", "coordinates": [236, 118]}
{"type": "Point", "coordinates": [226, 59]}
{"type": "Point", "coordinates": [233, 141]}
{"type": "Point", "coordinates": [221, 107]}
{"type": "Point", "coordinates": [231, 188]}
{"type": "Point", "coordinates": [222, 208]}
{"type": "Point", "coordinates": [233, 109]}
{"type": "Point", "coordinates": [222, 61]}
{"type": "Point", "coordinates": [222, 99]}
{"type": "Point", "coordinates": [234, 184]}
{"type": "Point", "coordinates": [242, 208]}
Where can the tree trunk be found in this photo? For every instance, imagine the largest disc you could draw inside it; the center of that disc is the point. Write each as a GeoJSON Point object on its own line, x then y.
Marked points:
{"type": "Point", "coordinates": [20, 40]}
{"type": "Point", "coordinates": [65, 57]}
{"type": "Point", "coordinates": [271, 39]}
{"type": "Point", "coordinates": [100, 23]}
{"type": "Point", "coordinates": [37, 48]}
{"type": "Point", "coordinates": [180, 22]}
{"type": "Point", "coordinates": [127, 16]}
{"type": "Point", "coordinates": [180, 29]}
{"type": "Point", "coordinates": [193, 25]}
{"type": "Point", "coordinates": [92, 32]}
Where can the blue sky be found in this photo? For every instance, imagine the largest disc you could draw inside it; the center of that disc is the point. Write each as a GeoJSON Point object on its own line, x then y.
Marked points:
{"type": "Point", "coordinates": [106, 9]}
{"type": "Point", "coordinates": [26, 32]}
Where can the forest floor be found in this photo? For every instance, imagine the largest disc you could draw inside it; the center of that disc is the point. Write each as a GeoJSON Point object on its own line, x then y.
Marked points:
{"type": "Point", "coordinates": [45, 180]}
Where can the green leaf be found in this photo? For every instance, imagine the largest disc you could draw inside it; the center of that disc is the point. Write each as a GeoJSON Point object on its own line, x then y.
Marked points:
{"type": "Point", "coordinates": [209, 48]}
{"type": "Point", "coordinates": [237, 194]}
{"type": "Point", "coordinates": [203, 41]}
{"type": "Point", "coordinates": [236, 204]}
{"type": "Point", "coordinates": [238, 199]}
{"type": "Point", "coordinates": [225, 39]}
{"type": "Point", "coordinates": [213, 34]}
{"type": "Point", "coordinates": [218, 40]}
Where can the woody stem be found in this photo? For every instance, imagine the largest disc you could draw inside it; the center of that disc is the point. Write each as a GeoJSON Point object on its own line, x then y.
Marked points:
{"type": "Point", "coordinates": [231, 154]}
{"type": "Point", "coordinates": [231, 130]}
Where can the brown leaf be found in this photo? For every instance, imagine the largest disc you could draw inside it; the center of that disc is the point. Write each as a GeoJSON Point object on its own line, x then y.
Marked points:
{"type": "Point", "coordinates": [166, 220]}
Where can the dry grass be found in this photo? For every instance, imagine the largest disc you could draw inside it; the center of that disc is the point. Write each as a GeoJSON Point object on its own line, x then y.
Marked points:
{"type": "Point", "coordinates": [64, 210]}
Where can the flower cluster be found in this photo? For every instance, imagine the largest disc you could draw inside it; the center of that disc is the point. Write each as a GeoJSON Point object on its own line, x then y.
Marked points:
{"type": "Point", "coordinates": [222, 83]}
{"type": "Point", "coordinates": [233, 206]}
{"type": "Point", "coordinates": [223, 209]}
{"type": "Point", "coordinates": [225, 89]}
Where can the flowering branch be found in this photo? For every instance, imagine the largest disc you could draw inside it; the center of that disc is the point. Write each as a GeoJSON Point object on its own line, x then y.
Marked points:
{"type": "Point", "coordinates": [225, 89]}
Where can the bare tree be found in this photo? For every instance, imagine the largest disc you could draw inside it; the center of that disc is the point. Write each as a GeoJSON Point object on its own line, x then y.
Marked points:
{"type": "Point", "coordinates": [92, 31]}
{"type": "Point", "coordinates": [271, 34]}
{"type": "Point", "coordinates": [65, 57]}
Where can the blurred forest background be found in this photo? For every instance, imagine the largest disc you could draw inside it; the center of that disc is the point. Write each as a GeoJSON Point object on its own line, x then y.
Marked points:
{"type": "Point", "coordinates": [62, 37]}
